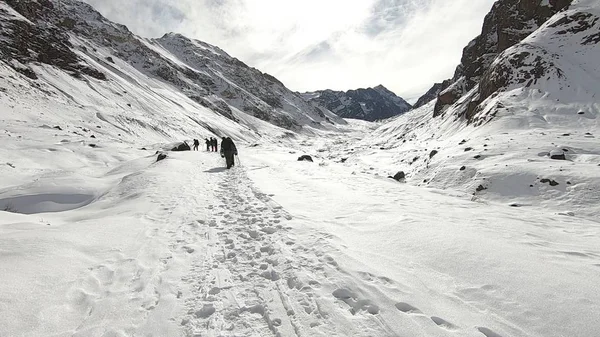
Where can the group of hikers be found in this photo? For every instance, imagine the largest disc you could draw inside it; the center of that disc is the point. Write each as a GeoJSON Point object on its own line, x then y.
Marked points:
{"type": "Point", "coordinates": [228, 149]}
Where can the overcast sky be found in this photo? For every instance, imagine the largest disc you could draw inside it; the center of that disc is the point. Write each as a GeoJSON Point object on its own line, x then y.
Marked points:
{"type": "Point", "coordinates": [406, 45]}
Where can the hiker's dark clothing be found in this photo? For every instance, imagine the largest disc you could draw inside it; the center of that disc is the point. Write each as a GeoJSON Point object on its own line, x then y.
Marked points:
{"type": "Point", "coordinates": [215, 144]}
{"type": "Point", "coordinates": [196, 143]}
{"type": "Point", "coordinates": [228, 150]}
{"type": "Point", "coordinates": [208, 142]}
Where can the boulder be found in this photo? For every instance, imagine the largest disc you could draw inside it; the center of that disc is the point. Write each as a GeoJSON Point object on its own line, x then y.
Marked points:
{"type": "Point", "coordinates": [305, 158]}
{"type": "Point", "coordinates": [161, 156]}
{"type": "Point", "coordinates": [558, 155]}
{"type": "Point", "coordinates": [182, 147]}
{"type": "Point", "coordinates": [432, 153]}
{"type": "Point", "coordinates": [400, 176]}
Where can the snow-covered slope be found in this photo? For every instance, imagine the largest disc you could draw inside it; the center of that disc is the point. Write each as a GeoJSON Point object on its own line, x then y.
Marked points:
{"type": "Point", "coordinates": [71, 36]}
{"type": "Point", "coordinates": [537, 101]}
{"type": "Point", "coordinates": [369, 104]}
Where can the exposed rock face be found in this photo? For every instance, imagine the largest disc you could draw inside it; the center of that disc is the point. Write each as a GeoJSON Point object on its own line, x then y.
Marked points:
{"type": "Point", "coordinates": [369, 104]}
{"type": "Point", "coordinates": [508, 23]}
{"type": "Point", "coordinates": [432, 93]}
{"type": "Point", "coordinates": [72, 36]}
{"type": "Point", "coordinates": [27, 42]}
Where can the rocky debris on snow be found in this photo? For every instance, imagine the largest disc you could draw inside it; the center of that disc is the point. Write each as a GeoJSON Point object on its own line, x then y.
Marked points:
{"type": "Point", "coordinates": [432, 153]}
{"type": "Point", "coordinates": [182, 147]}
{"type": "Point", "coordinates": [206, 311]}
{"type": "Point", "coordinates": [549, 181]}
{"type": "Point", "coordinates": [462, 168]}
{"type": "Point", "coordinates": [400, 176]}
{"type": "Point", "coordinates": [161, 156]}
{"type": "Point", "coordinates": [305, 158]}
{"type": "Point", "coordinates": [468, 149]}
{"type": "Point", "coordinates": [58, 128]}
{"type": "Point", "coordinates": [480, 188]}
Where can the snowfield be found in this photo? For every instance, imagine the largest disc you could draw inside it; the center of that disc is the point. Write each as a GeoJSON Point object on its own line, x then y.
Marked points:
{"type": "Point", "coordinates": [114, 243]}
{"type": "Point", "coordinates": [492, 232]}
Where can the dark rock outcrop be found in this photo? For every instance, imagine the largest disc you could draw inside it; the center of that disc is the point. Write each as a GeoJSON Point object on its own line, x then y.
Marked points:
{"type": "Point", "coordinates": [432, 93]}
{"type": "Point", "coordinates": [400, 176]}
{"type": "Point", "coordinates": [305, 158]}
{"type": "Point", "coordinates": [182, 147]}
{"type": "Point", "coordinates": [161, 156]}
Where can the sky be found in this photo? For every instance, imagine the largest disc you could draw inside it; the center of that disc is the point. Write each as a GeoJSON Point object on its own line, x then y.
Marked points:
{"type": "Point", "coordinates": [406, 45]}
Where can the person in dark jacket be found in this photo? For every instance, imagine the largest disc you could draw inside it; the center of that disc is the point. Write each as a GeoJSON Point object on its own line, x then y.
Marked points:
{"type": "Point", "coordinates": [215, 145]}
{"type": "Point", "coordinates": [208, 142]}
{"type": "Point", "coordinates": [228, 150]}
{"type": "Point", "coordinates": [196, 144]}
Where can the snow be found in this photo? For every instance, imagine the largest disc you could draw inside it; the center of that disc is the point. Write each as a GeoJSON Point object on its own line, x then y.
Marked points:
{"type": "Point", "coordinates": [130, 246]}
{"type": "Point", "coordinates": [486, 237]}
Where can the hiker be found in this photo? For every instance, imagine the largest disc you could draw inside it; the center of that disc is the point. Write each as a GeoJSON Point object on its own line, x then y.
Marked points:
{"type": "Point", "coordinates": [228, 150]}
{"type": "Point", "coordinates": [196, 144]}
{"type": "Point", "coordinates": [215, 144]}
{"type": "Point", "coordinates": [208, 142]}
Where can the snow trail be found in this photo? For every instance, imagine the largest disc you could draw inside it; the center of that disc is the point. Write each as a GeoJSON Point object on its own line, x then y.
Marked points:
{"type": "Point", "coordinates": [255, 278]}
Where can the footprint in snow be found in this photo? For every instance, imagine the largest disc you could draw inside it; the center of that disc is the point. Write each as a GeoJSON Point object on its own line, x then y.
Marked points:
{"type": "Point", "coordinates": [443, 323]}
{"type": "Point", "coordinates": [407, 308]}
{"type": "Point", "coordinates": [487, 332]}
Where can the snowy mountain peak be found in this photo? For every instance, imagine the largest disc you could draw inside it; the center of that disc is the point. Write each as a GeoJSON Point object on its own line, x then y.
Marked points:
{"type": "Point", "coordinates": [368, 104]}
{"type": "Point", "coordinates": [72, 36]}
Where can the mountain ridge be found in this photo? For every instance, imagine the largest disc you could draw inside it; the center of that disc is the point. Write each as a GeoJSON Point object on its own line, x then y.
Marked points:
{"type": "Point", "coordinates": [370, 104]}
{"type": "Point", "coordinates": [78, 35]}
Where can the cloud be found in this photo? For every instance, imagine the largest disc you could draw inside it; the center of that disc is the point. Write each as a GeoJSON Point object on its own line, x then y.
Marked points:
{"type": "Point", "coordinates": [406, 45]}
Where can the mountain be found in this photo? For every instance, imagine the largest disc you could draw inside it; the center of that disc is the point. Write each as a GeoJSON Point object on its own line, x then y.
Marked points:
{"type": "Point", "coordinates": [70, 36]}
{"type": "Point", "coordinates": [368, 104]}
{"type": "Point", "coordinates": [520, 124]}
{"type": "Point", "coordinates": [508, 22]}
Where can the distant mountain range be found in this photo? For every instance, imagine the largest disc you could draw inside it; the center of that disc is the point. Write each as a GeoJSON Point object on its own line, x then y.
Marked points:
{"type": "Point", "coordinates": [368, 104]}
